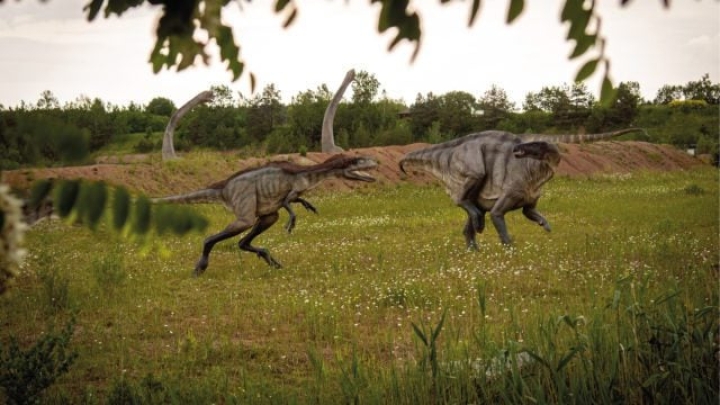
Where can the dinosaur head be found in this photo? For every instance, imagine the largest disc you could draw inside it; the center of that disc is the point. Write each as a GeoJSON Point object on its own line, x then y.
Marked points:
{"type": "Point", "coordinates": [544, 151]}
{"type": "Point", "coordinates": [355, 166]}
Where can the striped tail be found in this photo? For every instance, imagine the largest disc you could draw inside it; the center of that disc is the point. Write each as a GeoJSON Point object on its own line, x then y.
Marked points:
{"type": "Point", "coordinates": [578, 138]}
{"type": "Point", "coordinates": [415, 158]}
{"type": "Point", "coordinates": [200, 196]}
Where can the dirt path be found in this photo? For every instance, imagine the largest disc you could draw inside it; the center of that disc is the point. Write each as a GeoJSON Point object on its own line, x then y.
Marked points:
{"type": "Point", "coordinates": [146, 173]}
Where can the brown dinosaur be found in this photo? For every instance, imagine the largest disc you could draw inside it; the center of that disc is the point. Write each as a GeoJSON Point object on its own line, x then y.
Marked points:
{"type": "Point", "coordinates": [255, 196]}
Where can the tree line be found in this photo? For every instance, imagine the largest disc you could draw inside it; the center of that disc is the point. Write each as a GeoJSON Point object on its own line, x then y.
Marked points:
{"type": "Point", "coordinates": [36, 134]}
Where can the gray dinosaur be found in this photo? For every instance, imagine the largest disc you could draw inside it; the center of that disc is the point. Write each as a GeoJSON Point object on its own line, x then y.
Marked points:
{"type": "Point", "coordinates": [496, 172]}
{"type": "Point", "coordinates": [255, 196]}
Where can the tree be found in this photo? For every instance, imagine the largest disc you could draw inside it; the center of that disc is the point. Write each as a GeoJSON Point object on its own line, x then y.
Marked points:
{"type": "Point", "coordinates": [265, 110]}
{"type": "Point", "coordinates": [456, 113]}
{"type": "Point", "coordinates": [221, 97]}
{"type": "Point", "coordinates": [495, 106]}
{"type": "Point", "coordinates": [305, 114]}
{"type": "Point", "coordinates": [365, 87]}
{"type": "Point", "coordinates": [627, 103]}
{"type": "Point", "coordinates": [668, 93]}
{"type": "Point", "coordinates": [160, 106]}
{"type": "Point", "coordinates": [702, 89]}
{"type": "Point", "coordinates": [47, 101]}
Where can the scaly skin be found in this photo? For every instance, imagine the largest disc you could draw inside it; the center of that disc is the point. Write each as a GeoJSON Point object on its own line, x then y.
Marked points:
{"type": "Point", "coordinates": [496, 172]}
{"type": "Point", "coordinates": [255, 196]}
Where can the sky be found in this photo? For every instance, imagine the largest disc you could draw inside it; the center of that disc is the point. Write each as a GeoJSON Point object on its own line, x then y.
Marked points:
{"type": "Point", "coordinates": [51, 46]}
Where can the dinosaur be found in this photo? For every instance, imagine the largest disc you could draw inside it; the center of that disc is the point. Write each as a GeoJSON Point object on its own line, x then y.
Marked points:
{"type": "Point", "coordinates": [255, 195]}
{"type": "Point", "coordinates": [496, 172]}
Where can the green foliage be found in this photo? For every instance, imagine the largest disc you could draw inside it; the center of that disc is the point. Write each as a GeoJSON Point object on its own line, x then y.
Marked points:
{"type": "Point", "coordinates": [161, 106]}
{"type": "Point", "coordinates": [25, 374]}
{"type": "Point", "coordinates": [89, 201]}
{"type": "Point", "coordinates": [429, 340]}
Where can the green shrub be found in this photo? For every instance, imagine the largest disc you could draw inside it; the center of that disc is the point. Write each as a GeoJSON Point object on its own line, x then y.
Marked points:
{"type": "Point", "coordinates": [25, 374]}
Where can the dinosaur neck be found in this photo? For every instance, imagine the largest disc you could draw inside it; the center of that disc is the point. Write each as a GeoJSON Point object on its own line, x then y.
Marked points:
{"type": "Point", "coordinates": [314, 178]}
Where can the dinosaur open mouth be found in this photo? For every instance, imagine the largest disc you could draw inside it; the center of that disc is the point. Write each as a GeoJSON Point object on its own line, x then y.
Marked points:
{"type": "Point", "coordinates": [518, 153]}
{"type": "Point", "coordinates": [358, 175]}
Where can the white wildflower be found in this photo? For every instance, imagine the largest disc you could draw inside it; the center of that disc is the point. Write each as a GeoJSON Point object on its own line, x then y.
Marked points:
{"type": "Point", "coordinates": [12, 229]}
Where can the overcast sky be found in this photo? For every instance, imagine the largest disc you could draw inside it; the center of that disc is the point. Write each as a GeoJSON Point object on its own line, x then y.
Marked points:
{"type": "Point", "coordinates": [51, 46]}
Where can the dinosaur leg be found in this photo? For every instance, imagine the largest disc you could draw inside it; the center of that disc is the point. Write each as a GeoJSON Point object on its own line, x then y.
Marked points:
{"type": "Point", "coordinates": [262, 224]}
{"type": "Point", "coordinates": [497, 214]}
{"type": "Point", "coordinates": [231, 230]}
{"type": "Point", "coordinates": [475, 223]}
{"type": "Point", "coordinates": [532, 214]}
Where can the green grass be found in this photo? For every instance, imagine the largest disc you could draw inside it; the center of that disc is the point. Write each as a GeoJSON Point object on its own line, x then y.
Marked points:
{"type": "Point", "coordinates": [618, 304]}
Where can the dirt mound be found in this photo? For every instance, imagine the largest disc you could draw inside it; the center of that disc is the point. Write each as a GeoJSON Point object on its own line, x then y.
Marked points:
{"type": "Point", "coordinates": [148, 174]}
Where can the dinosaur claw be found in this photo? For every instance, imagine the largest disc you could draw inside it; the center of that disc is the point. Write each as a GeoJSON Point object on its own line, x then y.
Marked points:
{"type": "Point", "coordinates": [200, 267]}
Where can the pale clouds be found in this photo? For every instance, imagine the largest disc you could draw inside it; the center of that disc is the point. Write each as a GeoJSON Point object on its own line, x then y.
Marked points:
{"type": "Point", "coordinates": [50, 46]}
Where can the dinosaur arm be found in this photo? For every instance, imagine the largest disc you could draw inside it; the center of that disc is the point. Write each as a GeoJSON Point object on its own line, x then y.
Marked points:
{"type": "Point", "coordinates": [294, 198]}
{"type": "Point", "coordinates": [305, 203]}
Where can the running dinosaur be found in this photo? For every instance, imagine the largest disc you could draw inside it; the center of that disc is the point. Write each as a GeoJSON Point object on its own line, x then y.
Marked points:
{"type": "Point", "coordinates": [496, 172]}
{"type": "Point", "coordinates": [255, 196]}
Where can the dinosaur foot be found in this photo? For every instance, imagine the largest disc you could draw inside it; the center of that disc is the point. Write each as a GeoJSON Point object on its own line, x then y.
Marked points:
{"type": "Point", "coordinates": [290, 225]}
{"type": "Point", "coordinates": [200, 267]}
{"type": "Point", "coordinates": [263, 253]}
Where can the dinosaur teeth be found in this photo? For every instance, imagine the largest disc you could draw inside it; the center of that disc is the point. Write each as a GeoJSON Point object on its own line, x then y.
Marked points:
{"type": "Point", "coordinates": [359, 175]}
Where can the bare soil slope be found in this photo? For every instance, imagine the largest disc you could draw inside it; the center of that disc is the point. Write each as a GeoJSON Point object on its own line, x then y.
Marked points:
{"type": "Point", "coordinates": [148, 174]}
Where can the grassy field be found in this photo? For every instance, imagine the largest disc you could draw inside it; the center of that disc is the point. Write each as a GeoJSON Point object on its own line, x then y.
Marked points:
{"type": "Point", "coordinates": [379, 302]}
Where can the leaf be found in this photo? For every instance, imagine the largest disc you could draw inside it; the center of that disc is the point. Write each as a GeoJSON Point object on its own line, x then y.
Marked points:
{"type": "Point", "coordinates": [121, 208]}
{"type": "Point", "coordinates": [419, 333]}
{"type": "Point", "coordinates": [253, 83]}
{"type": "Point", "coordinates": [516, 8]}
{"type": "Point", "coordinates": [280, 5]}
{"type": "Point", "coordinates": [586, 70]}
{"type": "Point", "coordinates": [571, 8]}
{"type": "Point", "coordinates": [93, 8]}
{"type": "Point", "coordinates": [67, 194]}
{"type": "Point", "coordinates": [474, 12]}
{"type": "Point", "coordinates": [655, 378]}
{"type": "Point", "coordinates": [290, 18]}
{"type": "Point", "coordinates": [141, 223]}
{"type": "Point", "coordinates": [162, 218]}
{"type": "Point", "coordinates": [578, 24]}
{"type": "Point", "coordinates": [537, 358]}
{"type": "Point", "coordinates": [91, 202]}
{"type": "Point", "coordinates": [583, 44]}
{"type": "Point", "coordinates": [566, 359]}
{"type": "Point", "coordinates": [607, 92]}
{"type": "Point", "coordinates": [40, 190]}
{"type": "Point", "coordinates": [437, 330]}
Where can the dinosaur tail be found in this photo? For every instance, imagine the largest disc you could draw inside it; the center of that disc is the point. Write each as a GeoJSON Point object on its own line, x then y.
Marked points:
{"type": "Point", "coordinates": [578, 138]}
{"type": "Point", "coordinates": [200, 196]}
{"type": "Point", "coordinates": [426, 159]}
